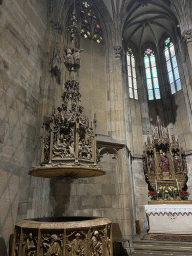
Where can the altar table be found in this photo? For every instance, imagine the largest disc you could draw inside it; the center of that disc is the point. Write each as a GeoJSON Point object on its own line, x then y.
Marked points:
{"type": "Point", "coordinates": [170, 218]}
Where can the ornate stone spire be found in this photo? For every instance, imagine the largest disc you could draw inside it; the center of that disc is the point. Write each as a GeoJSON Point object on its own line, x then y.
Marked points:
{"type": "Point", "coordinates": [69, 143]}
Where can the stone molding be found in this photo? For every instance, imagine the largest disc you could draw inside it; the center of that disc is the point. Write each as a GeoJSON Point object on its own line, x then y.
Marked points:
{"type": "Point", "coordinates": [168, 209]}
{"type": "Point", "coordinates": [187, 35]}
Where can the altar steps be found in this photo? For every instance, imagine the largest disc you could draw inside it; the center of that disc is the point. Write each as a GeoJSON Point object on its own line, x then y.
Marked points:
{"type": "Point", "coordinates": [158, 248]}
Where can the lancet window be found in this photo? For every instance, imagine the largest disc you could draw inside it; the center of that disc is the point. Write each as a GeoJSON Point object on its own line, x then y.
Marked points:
{"type": "Point", "coordinates": [132, 79]}
{"type": "Point", "coordinates": [90, 26]}
{"type": "Point", "coordinates": [172, 67]}
{"type": "Point", "coordinates": [151, 75]}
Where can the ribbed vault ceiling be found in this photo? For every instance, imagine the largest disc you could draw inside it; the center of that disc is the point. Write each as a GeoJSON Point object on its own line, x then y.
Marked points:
{"type": "Point", "coordinates": [147, 20]}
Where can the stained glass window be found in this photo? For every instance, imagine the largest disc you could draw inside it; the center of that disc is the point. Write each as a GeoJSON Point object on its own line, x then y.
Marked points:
{"type": "Point", "coordinates": [172, 68]}
{"type": "Point", "coordinates": [132, 79]}
{"type": "Point", "coordinates": [151, 75]}
{"type": "Point", "coordinates": [90, 26]}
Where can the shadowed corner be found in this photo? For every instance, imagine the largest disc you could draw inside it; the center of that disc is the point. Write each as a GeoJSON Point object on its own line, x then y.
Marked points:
{"type": "Point", "coordinates": [3, 248]}
{"type": "Point", "coordinates": [10, 244]}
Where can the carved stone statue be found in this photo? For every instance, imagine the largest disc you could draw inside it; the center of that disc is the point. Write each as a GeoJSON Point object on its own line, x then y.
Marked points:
{"type": "Point", "coordinates": [56, 63]}
{"type": "Point", "coordinates": [151, 164]}
{"type": "Point", "coordinates": [164, 162]}
{"type": "Point", "coordinates": [96, 244]}
{"type": "Point", "coordinates": [177, 162]}
{"type": "Point", "coordinates": [59, 149]}
{"type": "Point", "coordinates": [68, 58]}
{"type": "Point", "coordinates": [30, 245]}
{"type": "Point", "coordinates": [52, 246]}
{"type": "Point", "coordinates": [76, 246]}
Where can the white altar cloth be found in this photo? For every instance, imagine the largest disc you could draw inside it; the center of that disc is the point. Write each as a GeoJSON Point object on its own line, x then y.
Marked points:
{"type": "Point", "coordinates": [170, 218]}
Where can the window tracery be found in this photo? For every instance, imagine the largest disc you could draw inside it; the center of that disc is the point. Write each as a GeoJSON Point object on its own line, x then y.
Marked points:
{"type": "Point", "coordinates": [131, 71]}
{"type": "Point", "coordinates": [90, 26]}
{"type": "Point", "coordinates": [151, 74]}
{"type": "Point", "coordinates": [172, 67]}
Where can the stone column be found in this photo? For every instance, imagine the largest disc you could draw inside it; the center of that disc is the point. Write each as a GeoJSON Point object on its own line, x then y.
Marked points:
{"type": "Point", "coordinates": [188, 39]}
{"type": "Point", "coordinates": [115, 94]}
{"type": "Point", "coordinates": [143, 101]}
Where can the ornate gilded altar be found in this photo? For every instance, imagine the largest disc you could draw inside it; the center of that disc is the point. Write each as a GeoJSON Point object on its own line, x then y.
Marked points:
{"type": "Point", "coordinates": [165, 165]}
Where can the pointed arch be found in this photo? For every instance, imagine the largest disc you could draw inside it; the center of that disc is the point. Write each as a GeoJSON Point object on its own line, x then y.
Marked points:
{"type": "Point", "coordinates": [151, 74]}
{"type": "Point", "coordinates": [172, 66]}
{"type": "Point", "coordinates": [90, 25]}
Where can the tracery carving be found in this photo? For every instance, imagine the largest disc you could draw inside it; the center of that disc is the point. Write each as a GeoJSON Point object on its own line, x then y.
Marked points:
{"type": "Point", "coordinates": [68, 142]}
{"type": "Point", "coordinates": [74, 28]}
{"type": "Point", "coordinates": [67, 133]}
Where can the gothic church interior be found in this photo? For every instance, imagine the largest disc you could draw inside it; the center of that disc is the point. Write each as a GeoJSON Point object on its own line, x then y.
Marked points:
{"type": "Point", "coordinates": [136, 66]}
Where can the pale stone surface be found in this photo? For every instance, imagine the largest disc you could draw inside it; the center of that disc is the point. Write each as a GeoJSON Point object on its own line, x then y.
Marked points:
{"type": "Point", "coordinates": [28, 93]}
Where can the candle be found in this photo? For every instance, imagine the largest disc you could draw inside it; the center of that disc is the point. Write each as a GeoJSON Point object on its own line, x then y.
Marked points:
{"type": "Point", "coordinates": [156, 184]}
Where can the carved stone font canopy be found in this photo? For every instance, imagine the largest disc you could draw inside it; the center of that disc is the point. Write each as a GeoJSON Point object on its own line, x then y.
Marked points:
{"type": "Point", "coordinates": [69, 140]}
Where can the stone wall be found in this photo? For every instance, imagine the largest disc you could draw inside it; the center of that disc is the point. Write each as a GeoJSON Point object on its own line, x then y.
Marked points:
{"type": "Point", "coordinates": [182, 125]}
{"type": "Point", "coordinates": [108, 196]}
{"type": "Point", "coordinates": [93, 82]}
{"type": "Point", "coordinates": [136, 127]}
{"type": "Point", "coordinates": [22, 29]}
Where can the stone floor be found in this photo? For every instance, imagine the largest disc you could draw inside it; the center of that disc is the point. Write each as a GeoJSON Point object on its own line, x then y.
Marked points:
{"type": "Point", "coordinates": [160, 248]}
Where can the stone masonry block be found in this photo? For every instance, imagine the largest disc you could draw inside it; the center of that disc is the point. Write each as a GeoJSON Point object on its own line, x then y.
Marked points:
{"type": "Point", "coordinates": [104, 201]}
{"type": "Point", "coordinates": [22, 208]}
{"type": "Point", "coordinates": [107, 189]}
{"type": "Point", "coordinates": [88, 202]}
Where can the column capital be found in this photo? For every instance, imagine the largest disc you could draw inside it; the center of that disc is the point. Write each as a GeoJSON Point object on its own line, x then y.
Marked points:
{"type": "Point", "coordinates": [187, 35]}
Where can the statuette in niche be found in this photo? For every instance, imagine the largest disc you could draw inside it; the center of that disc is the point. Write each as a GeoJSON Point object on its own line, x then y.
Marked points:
{"type": "Point", "coordinates": [96, 244]}
{"type": "Point", "coordinates": [30, 245]}
{"type": "Point", "coordinates": [55, 63]}
{"type": "Point", "coordinates": [76, 246]}
{"type": "Point", "coordinates": [163, 161]}
{"type": "Point", "coordinates": [51, 245]}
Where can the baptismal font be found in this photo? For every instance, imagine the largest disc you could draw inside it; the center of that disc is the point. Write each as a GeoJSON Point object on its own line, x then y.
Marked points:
{"type": "Point", "coordinates": [165, 166]}
{"type": "Point", "coordinates": [68, 151]}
